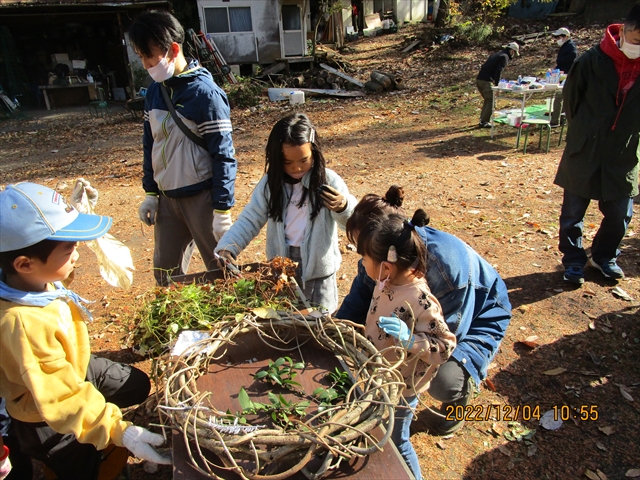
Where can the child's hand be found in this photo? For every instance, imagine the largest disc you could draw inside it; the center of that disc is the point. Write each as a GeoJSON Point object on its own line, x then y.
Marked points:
{"type": "Point", "coordinates": [227, 263]}
{"type": "Point", "coordinates": [332, 199]}
{"type": "Point", "coordinates": [397, 329]}
{"type": "Point", "coordinates": [141, 441]}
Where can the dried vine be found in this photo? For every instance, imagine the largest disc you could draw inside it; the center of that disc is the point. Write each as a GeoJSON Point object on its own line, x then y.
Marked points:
{"type": "Point", "coordinates": [270, 452]}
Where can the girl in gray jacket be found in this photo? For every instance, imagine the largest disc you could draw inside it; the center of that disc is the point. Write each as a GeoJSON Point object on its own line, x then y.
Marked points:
{"type": "Point", "coordinates": [302, 202]}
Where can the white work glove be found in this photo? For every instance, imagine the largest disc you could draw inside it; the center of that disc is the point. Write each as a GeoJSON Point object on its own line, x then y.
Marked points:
{"type": "Point", "coordinates": [82, 188]}
{"type": "Point", "coordinates": [5, 468]}
{"type": "Point", "coordinates": [148, 209]}
{"type": "Point", "coordinates": [221, 223]}
{"type": "Point", "coordinates": [139, 441]}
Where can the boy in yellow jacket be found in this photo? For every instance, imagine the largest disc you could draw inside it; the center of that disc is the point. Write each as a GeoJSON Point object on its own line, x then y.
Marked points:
{"type": "Point", "coordinates": [64, 403]}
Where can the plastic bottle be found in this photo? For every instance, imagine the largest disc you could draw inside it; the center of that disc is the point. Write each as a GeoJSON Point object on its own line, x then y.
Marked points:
{"type": "Point", "coordinates": [547, 77]}
{"type": "Point", "coordinates": [519, 79]}
{"type": "Point", "coordinates": [89, 78]}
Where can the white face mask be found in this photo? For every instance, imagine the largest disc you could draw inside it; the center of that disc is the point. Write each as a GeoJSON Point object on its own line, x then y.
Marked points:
{"type": "Point", "coordinates": [163, 70]}
{"type": "Point", "coordinates": [631, 51]}
{"type": "Point", "coordinates": [560, 41]}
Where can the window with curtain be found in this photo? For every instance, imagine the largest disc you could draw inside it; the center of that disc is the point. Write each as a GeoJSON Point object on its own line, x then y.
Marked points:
{"type": "Point", "coordinates": [240, 19]}
{"type": "Point", "coordinates": [216, 20]}
{"type": "Point", "coordinates": [291, 17]}
{"type": "Point", "coordinates": [228, 19]}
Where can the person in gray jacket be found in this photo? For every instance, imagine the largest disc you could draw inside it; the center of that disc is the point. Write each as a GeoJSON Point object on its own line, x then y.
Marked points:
{"type": "Point", "coordinates": [303, 203]}
{"type": "Point", "coordinates": [600, 161]}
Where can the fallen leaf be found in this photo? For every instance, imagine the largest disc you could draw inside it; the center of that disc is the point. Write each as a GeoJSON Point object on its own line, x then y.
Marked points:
{"type": "Point", "coordinates": [549, 422]}
{"type": "Point", "coordinates": [601, 446]}
{"type": "Point", "coordinates": [608, 430]}
{"type": "Point", "coordinates": [497, 429]}
{"type": "Point", "coordinates": [606, 330]}
{"type": "Point", "coordinates": [530, 341]}
{"type": "Point", "coordinates": [588, 292]}
{"type": "Point", "coordinates": [601, 474]}
{"type": "Point", "coordinates": [441, 445]}
{"type": "Point", "coordinates": [531, 451]}
{"type": "Point", "coordinates": [591, 474]}
{"type": "Point", "coordinates": [590, 315]}
{"type": "Point", "coordinates": [504, 450]}
{"type": "Point", "coordinates": [490, 385]}
{"type": "Point", "coordinates": [625, 393]}
{"type": "Point", "coordinates": [555, 371]}
{"type": "Point", "coordinates": [265, 313]}
{"type": "Point", "coordinates": [632, 473]}
{"type": "Point", "coordinates": [620, 293]}
{"type": "Point", "coordinates": [523, 308]}
{"type": "Point", "coordinates": [595, 358]}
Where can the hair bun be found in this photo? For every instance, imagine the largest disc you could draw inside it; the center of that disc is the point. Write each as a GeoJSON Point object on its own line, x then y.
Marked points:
{"type": "Point", "coordinates": [394, 196]}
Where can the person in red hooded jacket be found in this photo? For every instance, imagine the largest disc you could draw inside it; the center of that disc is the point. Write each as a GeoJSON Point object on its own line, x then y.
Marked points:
{"type": "Point", "coordinates": [600, 161]}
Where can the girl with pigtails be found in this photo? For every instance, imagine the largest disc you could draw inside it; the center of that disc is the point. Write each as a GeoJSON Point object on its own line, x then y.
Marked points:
{"type": "Point", "coordinates": [303, 204]}
{"type": "Point", "coordinates": [403, 312]}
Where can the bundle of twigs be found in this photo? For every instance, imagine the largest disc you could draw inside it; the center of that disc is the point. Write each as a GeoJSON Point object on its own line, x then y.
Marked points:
{"type": "Point", "coordinates": [272, 452]}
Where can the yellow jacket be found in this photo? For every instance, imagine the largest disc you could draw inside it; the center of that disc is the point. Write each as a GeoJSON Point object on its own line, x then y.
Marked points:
{"type": "Point", "coordinates": [44, 356]}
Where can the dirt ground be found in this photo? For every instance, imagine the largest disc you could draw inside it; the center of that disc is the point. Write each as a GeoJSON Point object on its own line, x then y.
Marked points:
{"type": "Point", "coordinates": [481, 189]}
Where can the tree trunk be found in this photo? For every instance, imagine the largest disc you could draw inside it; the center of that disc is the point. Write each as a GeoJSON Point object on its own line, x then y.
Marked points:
{"type": "Point", "coordinates": [442, 19]}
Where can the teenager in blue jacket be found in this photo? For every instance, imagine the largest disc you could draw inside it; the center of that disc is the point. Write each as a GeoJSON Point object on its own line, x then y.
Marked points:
{"type": "Point", "coordinates": [474, 302]}
{"type": "Point", "coordinates": [189, 178]}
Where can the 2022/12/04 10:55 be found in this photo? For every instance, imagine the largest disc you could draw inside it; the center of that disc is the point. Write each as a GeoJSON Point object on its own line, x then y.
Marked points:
{"type": "Point", "coordinates": [584, 412]}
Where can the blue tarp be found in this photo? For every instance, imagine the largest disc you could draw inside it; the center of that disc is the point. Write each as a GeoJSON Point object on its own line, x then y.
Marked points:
{"type": "Point", "coordinates": [532, 8]}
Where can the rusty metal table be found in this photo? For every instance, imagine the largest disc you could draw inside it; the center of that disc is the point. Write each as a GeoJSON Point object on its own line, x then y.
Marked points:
{"type": "Point", "coordinates": [250, 354]}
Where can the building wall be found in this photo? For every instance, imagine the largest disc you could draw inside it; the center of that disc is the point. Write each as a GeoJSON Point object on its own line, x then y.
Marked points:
{"type": "Point", "coordinates": [410, 11]}
{"type": "Point", "coordinates": [260, 46]}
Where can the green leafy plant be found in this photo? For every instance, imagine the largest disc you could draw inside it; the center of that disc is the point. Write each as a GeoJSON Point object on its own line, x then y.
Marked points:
{"type": "Point", "coordinates": [197, 307]}
{"type": "Point", "coordinates": [341, 383]}
{"type": "Point", "coordinates": [281, 372]}
{"type": "Point", "coordinates": [280, 409]}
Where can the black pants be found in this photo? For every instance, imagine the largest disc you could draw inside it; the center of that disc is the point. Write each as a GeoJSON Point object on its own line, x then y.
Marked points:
{"type": "Point", "coordinates": [69, 459]}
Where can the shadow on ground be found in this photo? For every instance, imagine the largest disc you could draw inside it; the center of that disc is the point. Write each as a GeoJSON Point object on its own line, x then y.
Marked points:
{"type": "Point", "coordinates": [602, 375]}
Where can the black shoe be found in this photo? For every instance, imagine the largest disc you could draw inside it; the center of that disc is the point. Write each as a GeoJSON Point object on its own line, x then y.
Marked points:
{"type": "Point", "coordinates": [574, 274]}
{"type": "Point", "coordinates": [437, 420]}
{"type": "Point", "coordinates": [484, 125]}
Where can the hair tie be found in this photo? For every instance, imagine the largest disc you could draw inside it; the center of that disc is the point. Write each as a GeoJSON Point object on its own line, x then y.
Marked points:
{"type": "Point", "coordinates": [392, 255]}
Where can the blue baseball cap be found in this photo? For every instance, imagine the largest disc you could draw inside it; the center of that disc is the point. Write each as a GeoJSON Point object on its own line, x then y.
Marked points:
{"type": "Point", "coordinates": [30, 213]}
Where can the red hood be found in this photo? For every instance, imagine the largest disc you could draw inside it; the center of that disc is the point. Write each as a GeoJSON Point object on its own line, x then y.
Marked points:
{"type": "Point", "coordinates": [609, 45]}
{"type": "Point", "coordinates": [628, 70]}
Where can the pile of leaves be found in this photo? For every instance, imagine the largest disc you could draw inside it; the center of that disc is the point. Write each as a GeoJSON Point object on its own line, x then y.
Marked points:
{"type": "Point", "coordinates": [198, 306]}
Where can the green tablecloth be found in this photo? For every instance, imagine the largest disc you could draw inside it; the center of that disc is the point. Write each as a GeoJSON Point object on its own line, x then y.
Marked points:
{"type": "Point", "coordinates": [532, 111]}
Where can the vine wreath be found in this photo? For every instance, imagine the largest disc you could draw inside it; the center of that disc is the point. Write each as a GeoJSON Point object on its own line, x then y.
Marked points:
{"type": "Point", "coordinates": [273, 453]}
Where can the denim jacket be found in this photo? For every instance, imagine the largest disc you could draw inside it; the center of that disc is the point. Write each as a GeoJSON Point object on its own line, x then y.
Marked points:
{"type": "Point", "coordinates": [473, 297]}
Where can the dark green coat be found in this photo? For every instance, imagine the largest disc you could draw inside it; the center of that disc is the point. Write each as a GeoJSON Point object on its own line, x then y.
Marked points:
{"type": "Point", "coordinates": [598, 162]}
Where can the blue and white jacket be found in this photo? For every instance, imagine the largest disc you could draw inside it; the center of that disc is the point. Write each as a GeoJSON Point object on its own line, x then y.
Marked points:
{"type": "Point", "coordinates": [320, 250]}
{"type": "Point", "coordinates": [474, 299]}
{"type": "Point", "coordinates": [173, 164]}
